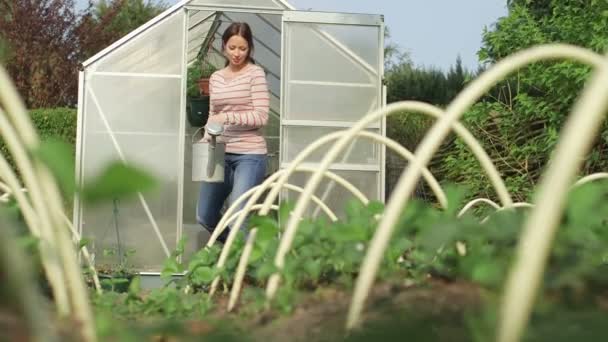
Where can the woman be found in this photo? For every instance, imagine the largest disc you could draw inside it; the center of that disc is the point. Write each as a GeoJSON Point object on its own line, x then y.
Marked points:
{"type": "Point", "coordinates": [239, 100]}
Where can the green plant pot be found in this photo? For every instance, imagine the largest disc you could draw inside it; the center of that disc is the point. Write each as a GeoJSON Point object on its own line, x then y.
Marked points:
{"type": "Point", "coordinates": [198, 111]}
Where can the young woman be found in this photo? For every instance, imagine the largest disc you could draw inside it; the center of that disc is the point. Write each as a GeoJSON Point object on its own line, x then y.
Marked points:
{"type": "Point", "coordinates": [239, 100]}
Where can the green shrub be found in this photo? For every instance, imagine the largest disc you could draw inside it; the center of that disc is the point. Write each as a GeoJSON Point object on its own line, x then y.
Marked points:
{"type": "Point", "coordinates": [519, 121]}
{"type": "Point", "coordinates": [58, 123]}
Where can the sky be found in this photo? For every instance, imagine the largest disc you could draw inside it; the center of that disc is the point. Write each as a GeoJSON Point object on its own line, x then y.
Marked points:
{"type": "Point", "coordinates": [433, 32]}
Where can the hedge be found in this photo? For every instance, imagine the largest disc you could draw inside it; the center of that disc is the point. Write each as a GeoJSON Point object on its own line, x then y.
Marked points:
{"type": "Point", "coordinates": [58, 123]}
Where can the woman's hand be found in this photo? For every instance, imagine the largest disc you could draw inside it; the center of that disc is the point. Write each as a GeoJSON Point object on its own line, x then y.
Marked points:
{"type": "Point", "coordinates": [216, 118]}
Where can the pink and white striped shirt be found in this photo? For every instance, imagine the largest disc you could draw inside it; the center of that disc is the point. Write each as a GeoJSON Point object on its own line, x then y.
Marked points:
{"type": "Point", "coordinates": [241, 103]}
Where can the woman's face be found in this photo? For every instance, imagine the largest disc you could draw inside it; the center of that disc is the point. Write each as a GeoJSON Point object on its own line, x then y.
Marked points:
{"type": "Point", "coordinates": [236, 50]}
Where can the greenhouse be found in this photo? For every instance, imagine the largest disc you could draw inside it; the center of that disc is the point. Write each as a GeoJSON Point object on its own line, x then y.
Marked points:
{"type": "Point", "coordinates": [137, 105]}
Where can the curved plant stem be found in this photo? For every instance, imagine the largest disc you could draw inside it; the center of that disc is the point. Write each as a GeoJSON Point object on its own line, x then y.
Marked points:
{"type": "Point", "coordinates": [246, 210]}
{"type": "Point", "coordinates": [343, 139]}
{"type": "Point", "coordinates": [323, 140]}
{"type": "Point", "coordinates": [591, 178]}
{"type": "Point", "coordinates": [431, 143]}
{"type": "Point", "coordinates": [85, 254]}
{"type": "Point", "coordinates": [241, 268]}
{"type": "Point", "coordinates": [21, 285]}
{"type": "Point", "coordinates": [419, 107]}
{"type": "Point", "coordinates": [30, 217]}
{"type": "Point", "coordinates": [474, 202]}
{"type": "Point", "coordinates": [435, 112]}
{"type": "Point", "coordinates": [14, 190]}
{"type": "Point", "coordinates": [47, 203]}
{"type": "Point", "coordinates": [513, 206]}
{"type": "Point", "coordinates": [539, 230]}
{"type": "Point", "coordinates": [5, 188]}
{"type": "Point", "coordinates": [55, 273]}
{"type": "Point", "coordinates": [260, 189]}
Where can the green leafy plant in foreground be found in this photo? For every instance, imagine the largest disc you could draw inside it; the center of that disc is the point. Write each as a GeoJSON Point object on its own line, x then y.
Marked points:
{"type": "Point", "coordinates": [428, 244]}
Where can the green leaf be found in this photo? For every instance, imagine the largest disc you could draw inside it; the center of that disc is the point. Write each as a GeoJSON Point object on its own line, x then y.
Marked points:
{"type": "Point", "coordinates": [58, 157]}
{"type": "Point", "coordinates": [170, 267]}
{"type": "Point", "coordinates": [347, 233]}
{"type": "Point", "coordinates": [203, 275]}
{"type": "Point", "coordinates": [267, 229]}
{"type": "Point", "coordinates": [135, 286]}
{"type": "Point", "coordinates": [179, 250]}
{"type": "Point", "coordinates": [118, 180]}
{"type": "Point", "coordinates": [284, 210]}
{"type": "Point", "coordinates": [83, 242]}
{"type": "Point", "coordinates": [266, 270]}
{"type": "Point", "coordinates": [354, 210]}
{"type": "Point", "coordinates": [28, 242]}
{"type": "Point", "coordinates": [313, 268]}
{"type": "Point", "coordinates": [375, 207]}
{"type": "Point", "coordinates": [583, 204]}
{"type": "Point", "coordinates": [487, 272]}
{"type": "Point", "coordinates": [256, 253]}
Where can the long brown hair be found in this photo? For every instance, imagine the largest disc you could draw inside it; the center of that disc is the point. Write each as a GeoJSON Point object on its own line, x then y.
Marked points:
{"type": "Point", "coordinates": [241, 29]}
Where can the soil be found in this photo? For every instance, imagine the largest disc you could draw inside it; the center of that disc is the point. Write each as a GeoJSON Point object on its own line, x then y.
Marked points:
{"type": "Point", "coordinates": [432, 312]}
{"type": "Point", "coordinates": [321, 315]}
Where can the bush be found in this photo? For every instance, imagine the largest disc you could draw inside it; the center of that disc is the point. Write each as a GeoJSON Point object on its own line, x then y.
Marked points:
{"type": "Point", "coordinates": [519, 121]}
{"type": "Point", "coordinates": [58, 123]}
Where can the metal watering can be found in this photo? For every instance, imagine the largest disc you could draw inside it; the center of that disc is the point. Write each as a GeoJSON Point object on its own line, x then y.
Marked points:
{"type": "Point", "coordinates": [208, 157]}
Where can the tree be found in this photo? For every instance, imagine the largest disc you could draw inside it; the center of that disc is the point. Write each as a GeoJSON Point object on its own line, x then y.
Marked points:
{"type": "Point", "coordinates": [393, 55]}
{"type": "Point", "coordinates": [43, 56]}
{"type": "Point", "coordinates": [455, 79]}
{"type": "Point", "coordinates": [43, 41]}
{"type": "Point", "coordinates": [518, 123]}
{"type": "Point", "coordinates": [432, 85]}
{"type": "Point", "coordinates": [104, 22]}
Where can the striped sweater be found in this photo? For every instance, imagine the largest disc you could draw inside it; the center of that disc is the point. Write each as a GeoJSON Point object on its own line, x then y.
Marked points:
{"type": "Point", "coordinates": [241, 104]}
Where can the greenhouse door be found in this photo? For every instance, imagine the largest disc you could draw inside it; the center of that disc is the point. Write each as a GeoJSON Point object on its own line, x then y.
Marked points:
{"type": "Point", "coordinates": [331, 77]}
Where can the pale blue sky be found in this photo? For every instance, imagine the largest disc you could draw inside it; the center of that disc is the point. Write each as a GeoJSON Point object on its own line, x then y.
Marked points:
{"type": "Point", "coordinates": [434, 32]}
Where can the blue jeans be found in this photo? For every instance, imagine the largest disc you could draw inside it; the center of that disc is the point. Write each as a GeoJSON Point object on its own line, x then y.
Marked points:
{"type": "Point", "coordinates": [241, 173]}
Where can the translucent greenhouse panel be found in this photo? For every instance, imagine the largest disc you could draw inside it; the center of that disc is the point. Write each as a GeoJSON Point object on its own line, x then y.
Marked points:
{"type": "Point", "coordinates": [126, 225]}
{"type": "Point", "coordinates": [199, 24]}
{"type": "Point", "coordinates": [132, 112]}
{"type": "Point", "coordinates": [156, 50]}
{"type": "Point", "coordinates": [331, 75]}
{"type": "Point", "coordinates": [334, 195]}
{"type": "Point", "coordinates": [152, 104]}
{"type": "Point", "coordinates": [271, 4]}
{"type": "Point", "coordinates": [273, 20]}
{"type": "Point", "coordinates": [190, 228]}
{"type": "Point", "coordinates": [332, 65]}
{"type": "Point", "coordinates": [273, 154]}
{"type": "Point", "coordinates": [334, 59]}
{"type": "Point", "coordinates": [361, 40]}
{"type": "Point", "coordinates": [296, 138]}
{"type": "Point", "coordinates": [329, 102]}
{"type": "Point", "coordinates": [272, 128]}
{"type": "Point", "coordinates": [151, 111]}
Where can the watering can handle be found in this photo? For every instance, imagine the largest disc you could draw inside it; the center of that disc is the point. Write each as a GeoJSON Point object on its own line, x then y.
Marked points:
{"type": "Point", "coordinates": [195, 134]}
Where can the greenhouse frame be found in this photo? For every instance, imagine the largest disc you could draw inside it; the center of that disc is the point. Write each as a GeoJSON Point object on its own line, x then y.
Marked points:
{"type": "Point", "coordinates": [324, 71]}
